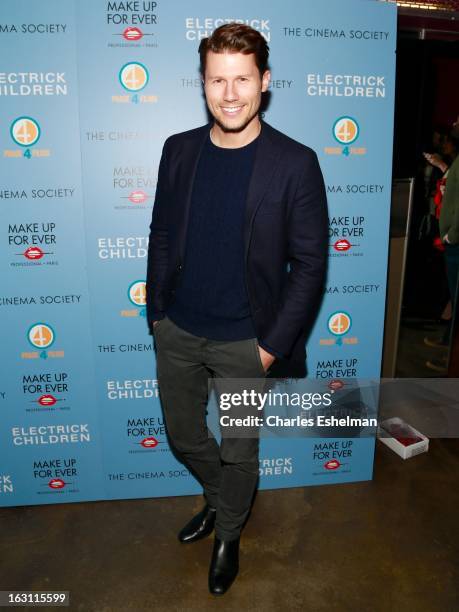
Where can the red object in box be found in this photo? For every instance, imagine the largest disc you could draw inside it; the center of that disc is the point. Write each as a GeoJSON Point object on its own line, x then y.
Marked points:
{"type": "Point", "coordinates": [402, 438]}
{"type": "Point", "coordinates": [402, 434]}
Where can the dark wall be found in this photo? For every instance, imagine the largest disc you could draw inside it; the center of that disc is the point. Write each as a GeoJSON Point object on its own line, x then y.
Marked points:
{"type": "Point", "coordinates": [427, 95]}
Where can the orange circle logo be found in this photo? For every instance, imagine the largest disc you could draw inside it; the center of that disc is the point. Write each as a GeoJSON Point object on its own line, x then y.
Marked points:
{"type": "Point", "coordinates": [138, 293]}
{"type": "Point", "coordinates": [25, 131]}
{"type": "Point", "coordinates": [345, 130]}
{"type": "Point", "coordinates": [133, 76]}
{"type": "Point", "coordinates": [41, 336]}
{"type": "Point", "coordinates": [339, 323]}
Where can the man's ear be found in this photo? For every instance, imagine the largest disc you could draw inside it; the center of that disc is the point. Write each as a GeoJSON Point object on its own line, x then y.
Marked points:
{"type": "Point", "coordinates": [265, 80]}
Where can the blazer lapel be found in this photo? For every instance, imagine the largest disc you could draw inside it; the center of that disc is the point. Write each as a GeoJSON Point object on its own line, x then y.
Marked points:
{"type": "Point", "coordinates": [190, 154]}
{"type": "Point", "coordinates": [266, 158]}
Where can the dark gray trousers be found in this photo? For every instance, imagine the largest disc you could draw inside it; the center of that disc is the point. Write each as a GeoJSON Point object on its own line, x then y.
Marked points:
{"type": "Point", "coordinates": [229, 472]}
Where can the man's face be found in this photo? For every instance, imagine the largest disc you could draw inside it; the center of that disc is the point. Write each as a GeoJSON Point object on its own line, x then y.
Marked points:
{"type": "Point", "coordinates": [233, 89]}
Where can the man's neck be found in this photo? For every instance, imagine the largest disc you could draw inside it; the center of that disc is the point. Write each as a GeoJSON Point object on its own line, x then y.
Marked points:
{"type": "Point", "coordinates": [235, 140]}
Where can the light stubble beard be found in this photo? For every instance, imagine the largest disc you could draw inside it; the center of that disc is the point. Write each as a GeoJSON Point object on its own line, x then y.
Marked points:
{"type": "Point", "coordinates": [237, 129]}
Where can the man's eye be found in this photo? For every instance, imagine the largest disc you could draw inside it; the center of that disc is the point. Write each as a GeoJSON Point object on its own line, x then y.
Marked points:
{"type": "Point", "coordinates": [243, 79]}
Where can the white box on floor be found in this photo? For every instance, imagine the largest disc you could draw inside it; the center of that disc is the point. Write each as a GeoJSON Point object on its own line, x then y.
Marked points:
{"type": "Point", "coordinates": [397, 428]}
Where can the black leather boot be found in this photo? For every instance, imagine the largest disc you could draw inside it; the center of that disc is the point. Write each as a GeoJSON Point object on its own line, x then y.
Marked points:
{"type": "Point", "coordinates": [199, 527]}
{"type": "Point", "coordinates": [224, 565]}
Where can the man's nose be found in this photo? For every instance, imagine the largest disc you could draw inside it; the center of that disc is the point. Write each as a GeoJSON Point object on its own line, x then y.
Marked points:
{"type": "Point", "coordinates": [230, 91]}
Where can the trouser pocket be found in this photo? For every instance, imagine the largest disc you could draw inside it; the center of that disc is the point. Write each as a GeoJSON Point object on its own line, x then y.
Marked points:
{"type": "Point", "coordinates": [258, 358]}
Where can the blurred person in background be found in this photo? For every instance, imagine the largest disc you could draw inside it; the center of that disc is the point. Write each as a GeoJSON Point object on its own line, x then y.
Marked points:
{"type": "Point", "coordinates": [449, 234]}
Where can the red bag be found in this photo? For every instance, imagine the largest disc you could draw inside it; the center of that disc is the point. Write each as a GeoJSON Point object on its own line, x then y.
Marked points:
{"type": "Point", "coordinates": [437, 199]}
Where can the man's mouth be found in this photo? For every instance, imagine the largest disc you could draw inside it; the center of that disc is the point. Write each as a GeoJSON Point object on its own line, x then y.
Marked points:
{"type": "Point", "coordinates": [231, 110]}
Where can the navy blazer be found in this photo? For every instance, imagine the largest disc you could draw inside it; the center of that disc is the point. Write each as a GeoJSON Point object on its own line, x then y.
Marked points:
{"type": "Point", "coordinates": [285, 238]}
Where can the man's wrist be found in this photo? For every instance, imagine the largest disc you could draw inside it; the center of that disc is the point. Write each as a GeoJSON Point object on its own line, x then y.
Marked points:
{"type": "Point", "coordinates": [156, 319]}
{"type": "Point", "coordinates": [270, 350]}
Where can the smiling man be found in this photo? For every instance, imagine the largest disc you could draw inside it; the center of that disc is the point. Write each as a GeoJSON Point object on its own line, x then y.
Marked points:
{"type": "Point", "coordinates": [236, 266]}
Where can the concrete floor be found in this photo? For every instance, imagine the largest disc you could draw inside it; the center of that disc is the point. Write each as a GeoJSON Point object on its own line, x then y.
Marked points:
{"type": "Point", "coordinates": [413, 353]}
{"type": "Point", "coordinates": [388, 544]}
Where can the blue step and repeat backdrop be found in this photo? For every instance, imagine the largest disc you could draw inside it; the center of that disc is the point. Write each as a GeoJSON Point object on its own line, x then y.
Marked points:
{"type": "Point", "coordinates": [89, 91]}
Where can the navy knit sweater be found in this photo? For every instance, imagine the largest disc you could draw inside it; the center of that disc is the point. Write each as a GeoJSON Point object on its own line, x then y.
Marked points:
{"type": "Point", "coordinates": [211, 299]}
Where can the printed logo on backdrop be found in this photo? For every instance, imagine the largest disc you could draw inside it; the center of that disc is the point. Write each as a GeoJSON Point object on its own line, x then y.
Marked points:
{"type": "Point", "coordinates": [95, 136]}
{"type": "Point", "coordinates": [335, 370]}
{"type": "Point", "coordinates": [46, 392]}
{"type": "Point", "coordinates": [346, 85]}
{"type": "Point", "coordinates": [146, 475]}
{"type": "Point", "coordinates": [354, 189]}
{"type": "Point", "coordinates": [146, 435]}
{"type": "Point", "coordinates": [37, 194]}
{"type": "Point", "coordinates": [336, 384]}
{"type": "Point", "coordinates": [45, 435]}
{"type": "Point", "coordinates": [41, 336]}
{"type": "Point", "coordinates": [138, 200]}
{"type": "Point", "coordinates": [137, 295]}
{"type": "Point", "coordinates": [131, 182]}
{"type": "Point", "coordinates": [278, 466]}
{"type": "Point", "coordinates": [6, 484]}
{"type": "Point", "coordinates": [284, 84]}
{"type": "Point", "coordinates": [331, 456]}
{"type": "Point", "coordinates": [25, 132]}
{"type": "Point", "coordinates": [37, 242]}
{"type": "Point", "coordinates": [123, 247]}
{"type": "Point", "coordinates": [134, 78]}
{"type": "Point", "coordinates": [274, 83]}
{"type": "Point", "coordinates": [339, 325]}
{"type": "Point", "coordinates": [56, 476]}
{"type": "Point", "coordinates": [346, 235]}
{"type": "Point", "coordinates": [28, 300]}
{"type": "Point", "coordinates": [138, 347]}
{"type": "Point", "coordinates": [33, 83]}
{"type": "Point", "coordinates": [353, 289]}
{"type": "Point", "coordinates": [334, 33]}
{"type": "Point", "coordinates": [345, 131]}
{"type": "Point", "coordinates": [138, 197]}
{"type": "Point", "coordinates": [34, 28]}
{"type": "Point", "coordinates": [197, 28]}
{"type": "Point", "coordinates": [136, 22]}
{"type": "Point", "coordinates": [146, 388]}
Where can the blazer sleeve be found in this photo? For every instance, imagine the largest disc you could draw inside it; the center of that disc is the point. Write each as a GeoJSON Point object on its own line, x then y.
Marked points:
{"type": "Point", "coordinates": [307, 241]}
{"type": "Point", "coordinates": [157, 263]}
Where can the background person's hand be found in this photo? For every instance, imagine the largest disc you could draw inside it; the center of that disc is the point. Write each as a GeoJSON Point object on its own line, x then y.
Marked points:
{"type": "Point", "coordinates": [435, 160]}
